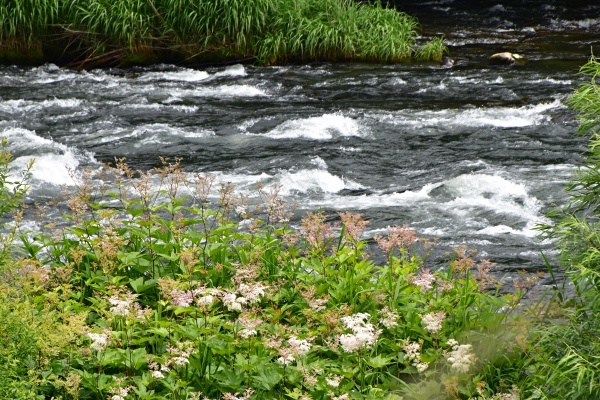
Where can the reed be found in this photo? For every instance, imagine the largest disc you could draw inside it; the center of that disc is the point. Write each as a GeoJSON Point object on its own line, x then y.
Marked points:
{"type": "Point", "coordinates": [433, 50]}
{"type": "Point", "coordinates": [23, 22]}
{"type": "Point", "coordinates": [272, 31]}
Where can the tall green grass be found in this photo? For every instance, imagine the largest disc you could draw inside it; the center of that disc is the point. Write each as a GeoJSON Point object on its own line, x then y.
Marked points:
{"type": "Point", "coordinates": [271, 31]}
{"type": "Point", "coordinates": [22, 22]}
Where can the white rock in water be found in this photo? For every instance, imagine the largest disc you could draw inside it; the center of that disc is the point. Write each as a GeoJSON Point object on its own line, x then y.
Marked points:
{"type": "Point", "coordinates": [506, 58]}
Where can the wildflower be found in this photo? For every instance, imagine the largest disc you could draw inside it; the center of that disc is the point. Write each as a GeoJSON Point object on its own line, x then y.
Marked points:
{"type": "Point", "coordinates": [231, 396]}
{"type": "Point", "coordinates": [316, 230]}
{"type": "Point", "coordinates": [421, 366]}
{"type": "Point", "coordinates": [205, 301]}
{"type": "Point", "coordinates": [354, 225]}
{"type": "Point", "coordinates": [433, 321]}
{"type": "Point", "coordinates": [232, 302]}
{"type": "Point", "coordinates": [461, 357]}
{"type": "Point", "coordinates": [157, 370]}
{"type": "Point", "coordinates": [514, 394]}
{"type": "Point", "coordinates": [412, 350]}
{"type": "Point", "coordinates": [333, 380]}
{"type": "Point", "coordinates": [251, 292]}
{"type": "Point", "coordinates": [412, 355]}
{"type": "Point", "coordinates": [398, 237]}
{"type": "Point", "coordinates": [363, 334]}
{"type": "Point", "coordinates": [119, 307]}
{"type": "Point", "coordinates": [181, 298]}
{"type": "Point", "coordinates": [123, 304]}
{"type": "Point", "coordinates": [390, 318]}
{"type": "Point", "coordinates": [121, 393]}
{"type": "Point", "coordinates": [309, 379]}
{"type": "Point", "coordinates": [286, 356]}
{"type": "Point", "coordinates": [424, 280]}
{"type": "Point", "coordinates": [299, 347]}
{"type": "Point", "coordinates": [180, 357]}
{"type": "Point", "coordinates": [99, 340]}
{"type": "Point", "coordinates": [248, 326]}
{"type": "Point", "coordinates": [345, 396]}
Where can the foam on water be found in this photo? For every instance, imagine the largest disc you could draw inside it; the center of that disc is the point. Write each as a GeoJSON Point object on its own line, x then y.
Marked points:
{"type": "Point", "coordinates": [183, 75]}
{"type": "Point", "coordinates": [52, 160]}
{"type": "Point", "coordinates": [503, 117]}
{"type": "Point", "coordinates": [587, 23]}
{"type": "Point", "coordinates": [313, 180]}
{"type": "Point", "coordinates": [163, 134]}
{"type": "Point", "coordinates": [28, 106]}
{"type": "Point", "coordinates": [233, 70]}
{"type": "Point", "coordinates": [491, 192]}
{"type": "Point", "coordinates": [323, 127]}
{"type": "Point", "coordinates": [157, 106]}
{"type": "Point", "coordinates": [221, 91]}
{"type": "Point", "coordinates": [419, 197]}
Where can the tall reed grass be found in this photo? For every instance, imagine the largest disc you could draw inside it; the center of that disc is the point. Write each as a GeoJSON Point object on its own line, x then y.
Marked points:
{"type": "Point", "coordinates": [270, 31]}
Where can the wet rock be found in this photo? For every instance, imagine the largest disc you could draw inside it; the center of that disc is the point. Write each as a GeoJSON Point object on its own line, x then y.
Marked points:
{"type": "Point", "coordinates": [447, 62]}
{"type": "Point", "coordinates": [506, 58]}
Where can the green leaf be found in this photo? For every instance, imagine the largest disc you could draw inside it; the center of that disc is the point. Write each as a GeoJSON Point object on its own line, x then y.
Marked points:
{"type": "Point", "coordinates": [139, 285]}
{"type": "Point", "coordinates": [379, 361]}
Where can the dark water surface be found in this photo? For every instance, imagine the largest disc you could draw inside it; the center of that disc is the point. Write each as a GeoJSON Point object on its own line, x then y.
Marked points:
{"type": "Point", "coordinates": [471, 154]}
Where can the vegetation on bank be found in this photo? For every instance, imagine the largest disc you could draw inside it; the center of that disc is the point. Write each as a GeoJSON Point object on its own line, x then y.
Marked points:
{"type": "Point", "coordinates": [112, 32]}
{"type": "Point", "coordinates": [151, 291]}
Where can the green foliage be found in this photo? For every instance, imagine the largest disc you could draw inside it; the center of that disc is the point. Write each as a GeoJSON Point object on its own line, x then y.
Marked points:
{"type": "Point", "coordinates": [22, 21]}
{"type": "Point", "coordinates": [566, 355]}
{"type": "Point", "coordinates": [268, 30]}
{"type": "Point", "coordinates": [153, 292]}
{"type": "Point", "coordinates": [433, 50]}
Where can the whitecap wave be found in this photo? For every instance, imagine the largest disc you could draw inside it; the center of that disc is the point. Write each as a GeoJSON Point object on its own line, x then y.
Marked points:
{"type": "Point", "coordinates": [503, 117]}
{"type": "Point", "coordinates": [54, 163]}
{"type": "Point", "coordinates": [323, 127]}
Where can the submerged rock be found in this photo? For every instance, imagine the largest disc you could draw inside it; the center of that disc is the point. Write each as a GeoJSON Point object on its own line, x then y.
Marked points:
{"type": "Point", "coordinates": [447, 62]}
{"type": "Point", "coordinates": [506, 58]}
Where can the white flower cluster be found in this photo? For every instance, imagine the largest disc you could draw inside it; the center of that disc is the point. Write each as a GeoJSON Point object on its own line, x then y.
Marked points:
{"type": "Point", "coordinates": [433, 321]}
{"type": "Point", "coordinates": [389, 318]}
{"type": "Point", "coordinates": [119, 307]}
{"type": "Point", "coordinates": [363, 334]}
{"type": "Point", "coordinates": [333, 380]}
{"type": "Point", "coordinates": [299, 347]}
{"type": "Point", "coordinates": [461, 357]}
{"type": "Point", "coordinates": [157, 370]}
{"type": "Point", "coordinates": [251, 292]}
{"type": "Point", "coordinates": [286, 356]}
{"type": "Point", "coordinates": [249, 325]}
{"type": "Point", "coordinates": [233, 302]}
{"type": "Point", "coordinates": [99, 340]}
{"type": "Point", "coordinates": [413, 355]}
{"type": "Point", "coordinates": [121, 393]}
{"type": "Point", "coordinates": [181, 356]}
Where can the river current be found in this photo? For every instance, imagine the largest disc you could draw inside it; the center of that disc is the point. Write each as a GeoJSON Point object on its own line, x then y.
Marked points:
{"type": "Point", "coordinates": [471, 154]}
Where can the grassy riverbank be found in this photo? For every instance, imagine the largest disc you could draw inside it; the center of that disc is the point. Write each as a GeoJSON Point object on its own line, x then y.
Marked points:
{"type": "Point", "coordinates": [102, 32]}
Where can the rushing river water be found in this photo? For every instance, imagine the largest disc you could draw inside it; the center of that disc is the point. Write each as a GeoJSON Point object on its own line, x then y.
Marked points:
{"type": "Point", "coordinates": [470, 154]}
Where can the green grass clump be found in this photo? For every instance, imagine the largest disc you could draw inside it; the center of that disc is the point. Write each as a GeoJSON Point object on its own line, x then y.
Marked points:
{"type": "Point", "coordinates": [433, 50]}
{"type": "Point", "coordinates": [24, 22]}
{"type": "Point", "coordinates": [152, 290]}
{"type": "Point", "coordinates": [269, 31]}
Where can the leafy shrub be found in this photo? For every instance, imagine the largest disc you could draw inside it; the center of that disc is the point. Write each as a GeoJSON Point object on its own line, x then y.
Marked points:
{"type": "Point", "coordinates": [567, 364]}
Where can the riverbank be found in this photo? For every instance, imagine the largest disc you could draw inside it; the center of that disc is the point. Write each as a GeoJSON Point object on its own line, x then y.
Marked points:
{"type": "Point", "coordinates": [124, 33]}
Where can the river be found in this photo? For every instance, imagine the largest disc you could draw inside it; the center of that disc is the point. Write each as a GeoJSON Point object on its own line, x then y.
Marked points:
{"type": "Point", "coordinates": [471, 155]}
